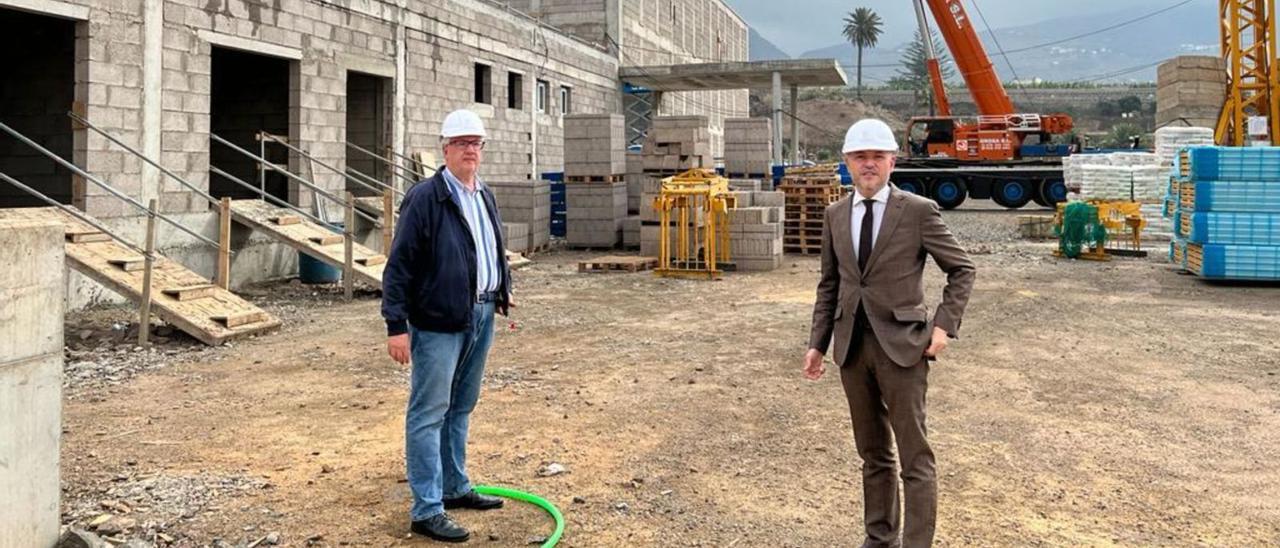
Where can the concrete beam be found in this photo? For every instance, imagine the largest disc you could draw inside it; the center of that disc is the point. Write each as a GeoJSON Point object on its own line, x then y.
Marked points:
{"type": "Point", "coordinates": [251, 46]}
{"type": "Point", "coordinates": [735, 75]}
{"type": "Point", "coordinates": [55, 8]}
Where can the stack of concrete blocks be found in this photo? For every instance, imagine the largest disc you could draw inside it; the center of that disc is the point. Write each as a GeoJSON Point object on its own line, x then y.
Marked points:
{"type": "Point", "coordinates": [526, 203]}
{"type": "Point", "coordinates": [1190, 90]}
{"type": "Point", "coordinates": [748, 146]}
{"type": "Point", "coordinates": [595, 162]}
{"type": "Point", "coordinates": [516, 237]}
{"type": "Point", "coordinates": [678, 143]}
{"type": "Point", "coordinates": [635, 179]}
{"type": "Point", "coordinates": [31, 287]}
{"type": "Point", "coordinates": [595, 147]}
{"type": "Point", "coordinates": [755, 229]}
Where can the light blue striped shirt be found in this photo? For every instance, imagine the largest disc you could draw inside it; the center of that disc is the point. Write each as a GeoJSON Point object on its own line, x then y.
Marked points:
{"type": "Point", "coordinates": [473, 209]}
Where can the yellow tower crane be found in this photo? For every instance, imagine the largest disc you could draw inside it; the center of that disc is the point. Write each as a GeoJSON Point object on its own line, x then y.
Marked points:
{"type": "Point", "coordinates": [1253, 80]}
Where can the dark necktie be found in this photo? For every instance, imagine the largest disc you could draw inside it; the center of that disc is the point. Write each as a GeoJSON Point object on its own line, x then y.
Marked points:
{"type": "Point", "coordinates": [864, 239]}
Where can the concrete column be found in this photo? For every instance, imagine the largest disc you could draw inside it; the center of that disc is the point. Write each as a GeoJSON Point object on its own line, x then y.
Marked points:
{"type": "Point", "coordinates": [398, 122]}
{"type": "Point", "coordinates": [613, 23]}
{"type": "Point", "coordinates": [31, 288]}
{"type": "Point", "coordinates": [152, 65]}
{"type": "Point", "coordinates": [795, 125]}
{"type": "Point", "coordinates": [777, 118]}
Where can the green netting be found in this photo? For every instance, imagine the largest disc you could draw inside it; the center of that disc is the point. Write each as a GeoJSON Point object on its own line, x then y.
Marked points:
{"type": "Point", "coordinates": [1080, 227]}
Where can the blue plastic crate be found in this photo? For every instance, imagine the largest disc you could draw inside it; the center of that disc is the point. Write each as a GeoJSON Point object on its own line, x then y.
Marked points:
{"type": "Point", "coordinates": [1229, 164]}
{"type": "Point", "coordinates": [1231, 228]}
{"type": "Point", "coordinates": [1235, 262]}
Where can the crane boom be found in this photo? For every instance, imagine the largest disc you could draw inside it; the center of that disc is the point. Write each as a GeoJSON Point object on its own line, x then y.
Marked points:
{"type": "Point", "coordinates": [971, 58]}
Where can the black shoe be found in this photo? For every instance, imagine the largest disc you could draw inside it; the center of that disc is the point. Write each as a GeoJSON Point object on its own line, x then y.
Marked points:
{"type": "Point", "coordinates": [474, 501]}
{"type": "Point", "coordinates": [440, 527]}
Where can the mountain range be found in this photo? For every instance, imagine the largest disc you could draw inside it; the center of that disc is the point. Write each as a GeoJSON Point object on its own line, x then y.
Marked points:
{"type": "Point", "coordinates": [1113, 52]}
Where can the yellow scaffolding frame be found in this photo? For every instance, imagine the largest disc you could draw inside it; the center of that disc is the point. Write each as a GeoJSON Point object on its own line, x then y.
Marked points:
{"type": "Point", "coordinates": [696, 204]}
{"type": "Point", "coordinates": [1247, 29]}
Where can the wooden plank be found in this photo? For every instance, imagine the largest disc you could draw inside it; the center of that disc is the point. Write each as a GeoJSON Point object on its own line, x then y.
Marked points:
{"type": "Point", "coordinates": [224, 243]}
{"type": "Point", "coordinates": [372, 260]}
{"type": "Point", "coordinates": [241, 319]}
{"type": "Point", "coordinates": [128, 264]}
{"type": "Point", "coordinates": [286, 220]}
{"type": "Point", "coordinates": [86, 237]}
{"type": "Point", "coordinates": [190, 292]}
{"type": "Point", "coordinates": [194, 317]}
{"type": "Point", "coordinates": [614, 263]}
{"type": "Point", "coordinates": [348, 237]}
{"type": "Point", "coordinates": [256, 214]}
{"type": "Point", "coordinates": [326, 239]}
{"type": "Point", "coordinates": [144, 311]}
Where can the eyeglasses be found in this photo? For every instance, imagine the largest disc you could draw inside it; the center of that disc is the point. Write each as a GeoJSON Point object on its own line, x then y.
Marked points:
{"type": "Point", "coordinates": [476, 144]}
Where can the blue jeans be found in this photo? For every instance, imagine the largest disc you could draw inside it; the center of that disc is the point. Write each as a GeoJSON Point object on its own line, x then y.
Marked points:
{"type": "Point", "coordinates": [447, 369]}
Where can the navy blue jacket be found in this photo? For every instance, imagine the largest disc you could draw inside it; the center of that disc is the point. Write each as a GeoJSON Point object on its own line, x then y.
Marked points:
{"type": "Point", "coordinates": [430, 277]}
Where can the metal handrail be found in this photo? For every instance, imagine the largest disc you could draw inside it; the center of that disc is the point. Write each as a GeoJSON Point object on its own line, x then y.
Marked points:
{"type": "Point", "coordinates": [408, 159]}
{"type": "Point", "coordinates": [144, 158]}
{"type": "Point", "coordinates": [300, 180]}
{"type": "Point", "coordinates": [283, 141]}
{"type": "Point", "coordinates": [213, 169]}
{"type": "Point", "coordinates": [87, 176]}
{"type": "Point", "coordinates": [72, 211]}
{"type": "Point", "coordinates": [388, 162]}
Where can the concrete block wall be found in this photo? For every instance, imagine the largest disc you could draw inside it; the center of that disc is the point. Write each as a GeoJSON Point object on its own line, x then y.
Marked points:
{"type": "Point", "coordinates": [31, 338]}
{"type": "Point", "coordinates": [144, 72]}
{"type": "Point", "coordinates": [678, 143]}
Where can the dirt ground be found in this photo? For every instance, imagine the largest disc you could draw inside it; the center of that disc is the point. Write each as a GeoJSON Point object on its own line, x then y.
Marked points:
{"type": "Point", "coordinates": [1086, 404]}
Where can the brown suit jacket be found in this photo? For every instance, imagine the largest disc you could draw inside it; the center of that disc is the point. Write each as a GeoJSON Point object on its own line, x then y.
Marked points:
{"type": "Point", "coordinates": [892, 289]}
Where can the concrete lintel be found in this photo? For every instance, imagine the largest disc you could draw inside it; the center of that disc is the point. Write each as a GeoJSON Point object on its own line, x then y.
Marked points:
{"type": "Point", "coordinates": [376, 67]}
{"type": "Point", "coordinates": [249, 45]}
{"type": "Point", "coordinates": [56, 8]}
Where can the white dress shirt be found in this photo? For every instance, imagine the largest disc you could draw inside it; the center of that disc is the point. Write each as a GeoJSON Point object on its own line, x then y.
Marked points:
{"type": "Point", "coordinates": [878, 208]}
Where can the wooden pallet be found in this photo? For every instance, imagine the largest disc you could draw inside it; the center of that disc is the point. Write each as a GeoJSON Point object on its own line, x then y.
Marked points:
{"type": "Point", "coordinates": [180, 297]}
{"type": "Point", "coordinates": [617, 263]}
{"type": "Point", "coordinates": [594, 178]}
{"type": "Point", "coordinates": [316, 241]}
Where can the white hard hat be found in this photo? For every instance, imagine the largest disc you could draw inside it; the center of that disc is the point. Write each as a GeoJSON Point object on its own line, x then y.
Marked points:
{"type": "Point", "coordinates": [869, 134]}
{"type": "Point", "coordinates": [462, 122]}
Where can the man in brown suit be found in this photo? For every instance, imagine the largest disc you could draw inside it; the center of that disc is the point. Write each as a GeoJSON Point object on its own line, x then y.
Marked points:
{"type": "Point", "coordinates": [871, 299]}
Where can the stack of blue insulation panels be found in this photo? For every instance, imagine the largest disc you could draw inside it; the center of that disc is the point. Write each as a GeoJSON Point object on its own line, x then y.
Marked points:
{"type": "Point", "coordinates": [1225, 204]}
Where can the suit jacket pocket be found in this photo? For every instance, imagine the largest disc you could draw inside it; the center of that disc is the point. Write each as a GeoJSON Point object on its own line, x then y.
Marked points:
{"type": "Point", "coordinates": [911, 315]}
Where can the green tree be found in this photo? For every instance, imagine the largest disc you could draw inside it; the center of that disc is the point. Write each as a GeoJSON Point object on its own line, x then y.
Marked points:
{"type": "Point", "coordinates": [1130, 103]}
{"type": "Point", "coordinates": [914, 74]}
{"type": "Point", "coordinates": [862, 28]}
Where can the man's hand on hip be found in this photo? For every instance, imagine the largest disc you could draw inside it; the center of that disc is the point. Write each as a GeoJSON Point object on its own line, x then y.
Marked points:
{"type": "Point", "coordinates": [938, 344]}
{"type": "Point", "coordinates": [398, 347]}
{"type": "Point", "coordinates": [813, 367]}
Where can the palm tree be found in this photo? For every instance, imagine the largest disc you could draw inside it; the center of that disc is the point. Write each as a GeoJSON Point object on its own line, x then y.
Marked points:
{"type": "Point", "coordinates": [862, 29]}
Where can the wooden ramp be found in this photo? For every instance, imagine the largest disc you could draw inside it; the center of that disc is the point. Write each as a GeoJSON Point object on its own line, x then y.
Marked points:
{"type": "Point", "coordinates": [179, 296]}
{"type": "Point", "coordinates": [308, 237]}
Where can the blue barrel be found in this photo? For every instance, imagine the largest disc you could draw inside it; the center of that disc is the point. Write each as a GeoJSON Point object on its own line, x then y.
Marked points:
{"type": "Point", "coordinates": [314, 271]}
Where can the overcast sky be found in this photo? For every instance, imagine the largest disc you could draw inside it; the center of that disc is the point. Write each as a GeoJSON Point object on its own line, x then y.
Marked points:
{"type": "Point", "coordinates": [820, 22]}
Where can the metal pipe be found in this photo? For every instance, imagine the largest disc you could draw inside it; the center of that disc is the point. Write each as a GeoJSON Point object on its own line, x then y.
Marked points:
{"type": "Point", "coordinates": [76, 169]}
{"type": "Point", "coordinates": [144, 158]}
{"type": "Point", "coordinates": [403, 157]}
{"type": "Point", "coordinates": [385, 161]}
{"type": "Point", "coordinates": [300, 180]}
{"type": "Point", "coordinates": [277, 139]}
{"type": "Point", "coordinates": [266, 196]}
{"type": "Point", "coordinates": [71, 211]}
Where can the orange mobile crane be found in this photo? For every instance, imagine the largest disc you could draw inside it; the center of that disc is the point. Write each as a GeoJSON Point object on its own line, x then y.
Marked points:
{"type": "Point", "coordinates": [1001, 154]}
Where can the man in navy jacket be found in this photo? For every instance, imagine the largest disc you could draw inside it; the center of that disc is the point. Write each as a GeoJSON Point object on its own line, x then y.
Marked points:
{"type": "Point", "coordinates": [446, 276]}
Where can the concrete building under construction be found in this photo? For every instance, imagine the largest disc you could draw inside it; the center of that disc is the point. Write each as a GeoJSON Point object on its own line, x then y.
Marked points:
{"type": "Point", "coordinates": [187, 82]}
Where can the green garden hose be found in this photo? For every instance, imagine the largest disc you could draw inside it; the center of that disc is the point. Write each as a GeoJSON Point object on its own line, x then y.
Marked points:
{"type": "Point", "coordinates": [531, 499]}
